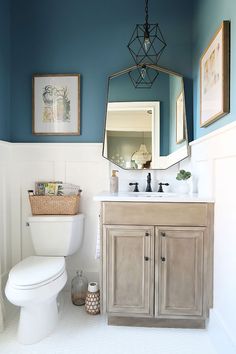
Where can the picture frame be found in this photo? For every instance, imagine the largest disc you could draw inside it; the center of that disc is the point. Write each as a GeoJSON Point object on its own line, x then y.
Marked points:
{"type": "Point", "coordinates": [56, 104]}
{"type": "Point", "coordinates": [180, 126]}
{"type": "Point", "coordinates": [214, 77]}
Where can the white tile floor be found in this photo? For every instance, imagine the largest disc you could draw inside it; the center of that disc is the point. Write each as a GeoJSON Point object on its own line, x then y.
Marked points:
{"type": "Point", "coordinates": [78, 333]}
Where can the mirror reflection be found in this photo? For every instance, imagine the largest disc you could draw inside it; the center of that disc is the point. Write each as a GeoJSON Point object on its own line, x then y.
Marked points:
{"type": "Point", "coordinates": [145, 127]}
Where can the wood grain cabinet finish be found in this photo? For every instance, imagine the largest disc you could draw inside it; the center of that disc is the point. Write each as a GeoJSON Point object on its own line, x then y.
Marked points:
{"type": "Point", "coordinates": [162, 270]}
{"type": "Point", "coordinates": [179, 267]}
{"type": "Point", "coordinates": [130, 259]}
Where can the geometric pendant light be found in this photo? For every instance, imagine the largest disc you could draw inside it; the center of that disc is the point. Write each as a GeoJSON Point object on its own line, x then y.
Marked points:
{"type": "Point", "coordinates": [147, 43]}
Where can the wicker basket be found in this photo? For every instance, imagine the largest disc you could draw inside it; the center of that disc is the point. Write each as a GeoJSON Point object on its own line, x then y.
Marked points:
{"type": "Point", "coordinates": [54, 205]}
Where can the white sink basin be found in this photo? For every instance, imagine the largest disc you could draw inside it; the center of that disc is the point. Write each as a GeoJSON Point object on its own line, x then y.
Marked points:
{"type": "Point", "coordinates": [150, 194]}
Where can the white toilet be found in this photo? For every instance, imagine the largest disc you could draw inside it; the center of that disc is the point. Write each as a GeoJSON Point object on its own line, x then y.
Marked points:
{"type": "Point", "coordinates": [34, 283]}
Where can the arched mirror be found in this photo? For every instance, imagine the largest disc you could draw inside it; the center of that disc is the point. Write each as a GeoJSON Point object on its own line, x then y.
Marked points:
{"type": "Point", "coordinates": [145, 126]}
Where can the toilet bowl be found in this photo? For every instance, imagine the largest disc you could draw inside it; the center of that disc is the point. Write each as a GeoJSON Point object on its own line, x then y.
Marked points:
{"type": "Point", "coordinates": [35, 282]}
{"type": "Point", "coordinates": [34, 285]}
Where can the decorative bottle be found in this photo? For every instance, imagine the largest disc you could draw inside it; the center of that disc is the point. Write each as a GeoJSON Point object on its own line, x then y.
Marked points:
{"type": "Point", "coordinates": [79, 286]}
{"type": "Point", "coordinates": [92, 302]}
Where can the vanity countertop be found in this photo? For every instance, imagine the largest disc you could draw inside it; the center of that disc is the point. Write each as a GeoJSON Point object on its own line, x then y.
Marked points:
{"type": "Point", "coordinates": [151, 197]}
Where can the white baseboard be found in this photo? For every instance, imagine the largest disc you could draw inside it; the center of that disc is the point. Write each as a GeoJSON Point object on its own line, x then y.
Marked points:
{"type": "Point", "coordinates": [219, 335]}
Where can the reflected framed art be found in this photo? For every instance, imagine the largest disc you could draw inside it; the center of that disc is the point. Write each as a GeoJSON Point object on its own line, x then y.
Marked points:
{"type": "Point", "coordinates": [180, 128]}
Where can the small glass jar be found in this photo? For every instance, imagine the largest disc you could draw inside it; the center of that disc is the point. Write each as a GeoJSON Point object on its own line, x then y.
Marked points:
{"type": "Point", "coordinates": [79, 286]}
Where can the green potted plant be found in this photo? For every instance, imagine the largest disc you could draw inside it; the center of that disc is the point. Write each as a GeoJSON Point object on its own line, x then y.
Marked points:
{"type": "Point", "coordinates": [182, 177]}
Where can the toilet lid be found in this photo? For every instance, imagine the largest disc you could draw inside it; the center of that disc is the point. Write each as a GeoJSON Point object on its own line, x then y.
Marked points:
{"type": "Point", "coordinates": [36, 270]}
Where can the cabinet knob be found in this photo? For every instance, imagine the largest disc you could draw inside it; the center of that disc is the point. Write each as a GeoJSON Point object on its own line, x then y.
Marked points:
{"type": "Point", "coordinates": [147, 233]}
{"type": "Point", "coordinates": [163, 259]}
{"type": "Point", "coordinates": [163, 234]}
{"type": "Point", "coordinates": [146, 258]}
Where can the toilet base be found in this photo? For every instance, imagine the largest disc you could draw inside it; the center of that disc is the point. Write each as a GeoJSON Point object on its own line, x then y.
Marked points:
{"type": "Point", "coordinates": [39, 310]}
{"type": "Point", "coordinates": [37, 321]}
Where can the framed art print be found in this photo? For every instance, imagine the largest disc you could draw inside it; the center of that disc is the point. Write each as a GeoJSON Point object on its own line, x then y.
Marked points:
{"type": "Point", "coordinates": [214, 77]}
{"type": "Point", "coordinates": [56, 104]}
{"type": "Point", "coordinates": [180, 127]}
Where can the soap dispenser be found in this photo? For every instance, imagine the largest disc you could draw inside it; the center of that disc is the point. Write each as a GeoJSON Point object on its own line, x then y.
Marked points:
{"type": "Point", "coordinates": [114, 182]}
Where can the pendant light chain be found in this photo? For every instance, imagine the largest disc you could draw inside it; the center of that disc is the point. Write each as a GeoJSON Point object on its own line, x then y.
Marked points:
{"type": "Point", "coordinates": [146, 12]}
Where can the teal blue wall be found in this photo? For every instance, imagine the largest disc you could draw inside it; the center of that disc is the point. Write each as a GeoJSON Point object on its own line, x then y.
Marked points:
{"type": "Point", "coordinates": [90, 38]}
{"type": "Point", "coordinates": [4, 70]}
{"type": "Point", "coordinates": [208, 15]}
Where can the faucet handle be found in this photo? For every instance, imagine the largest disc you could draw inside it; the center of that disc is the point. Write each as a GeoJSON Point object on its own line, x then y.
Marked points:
{"type": "Point", "coordinates": [136, 186]}
{"type": "Point", "coordinates": [160, 186]}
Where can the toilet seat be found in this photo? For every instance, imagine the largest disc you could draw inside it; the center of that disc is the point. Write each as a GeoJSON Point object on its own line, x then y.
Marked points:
{"type": "Point", "coordinates": [36, 271]}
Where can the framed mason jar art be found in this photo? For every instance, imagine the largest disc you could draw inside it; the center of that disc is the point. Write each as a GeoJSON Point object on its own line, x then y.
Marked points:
{"type": "Point", "coordinates": [214, 77]}
{"type": "Point", "coordinates": [56, 104]}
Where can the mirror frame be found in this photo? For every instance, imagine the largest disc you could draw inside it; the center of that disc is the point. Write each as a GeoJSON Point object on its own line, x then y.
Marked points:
{"type": "Point", "coordinates": [162, 70]}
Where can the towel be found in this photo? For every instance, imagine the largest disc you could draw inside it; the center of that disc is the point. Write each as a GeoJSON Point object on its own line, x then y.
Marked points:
{"type": "Point", "coordinates": [98, 241]}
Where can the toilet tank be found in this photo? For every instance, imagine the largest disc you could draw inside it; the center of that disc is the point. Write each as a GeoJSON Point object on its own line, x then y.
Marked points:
{"type": "Point", "coordinates": [56, 235]}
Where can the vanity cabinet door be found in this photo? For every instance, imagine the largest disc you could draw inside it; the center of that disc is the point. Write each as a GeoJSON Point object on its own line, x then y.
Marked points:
{"type": "Point", "coordinates": [179, 265]}
{"type": "Point", "coordinates": [130, 268]}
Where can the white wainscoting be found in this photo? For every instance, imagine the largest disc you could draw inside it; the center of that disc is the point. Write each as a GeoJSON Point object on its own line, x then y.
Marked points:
{"type": "Point", "coordinates": [5, 239]}
{"type": "Point", "coordinates": [81, 164]}
{"type": "Point", "coordinates": [77, 163]}
{"type": "Point", "coordinates": [213, 162]}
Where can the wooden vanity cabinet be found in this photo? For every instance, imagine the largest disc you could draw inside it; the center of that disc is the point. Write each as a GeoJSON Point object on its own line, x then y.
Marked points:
{"type": "Point", "coordinates": [130, 265]}
{"type": "Point", "coordinates": [179, 271]}
{"type": "Point", "coordinates": [157, 273]}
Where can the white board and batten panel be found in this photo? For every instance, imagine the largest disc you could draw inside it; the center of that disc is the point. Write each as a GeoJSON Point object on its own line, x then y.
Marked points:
{"type": "Point", "coordinates": [77, 163]}
{"type": "Point", "coordinates": [81, 164]}
{"type": "Point", "coordinates": [213, 162]}
{"type": "Point", "coordinates": [5, 240]}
